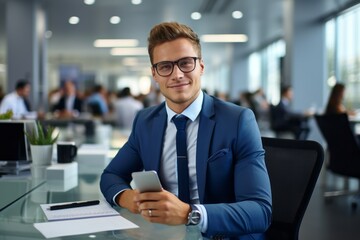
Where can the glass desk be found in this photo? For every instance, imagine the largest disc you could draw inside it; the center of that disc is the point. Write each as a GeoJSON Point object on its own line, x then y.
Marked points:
{"type": "Point", "coordinates": [16, 220]}
{"type": "Point", "coordinates": [14, 188]}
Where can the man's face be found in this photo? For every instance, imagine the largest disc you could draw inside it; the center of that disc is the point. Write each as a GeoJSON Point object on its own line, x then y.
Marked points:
{"type": "Point", "coordinates": [25, 91]}
{"type": "Point", "coordinates": [180, 89]}
{"type": "Point", "coordinates": [69, 88]}
{"type": "Point", "coordinates": [290, 94]}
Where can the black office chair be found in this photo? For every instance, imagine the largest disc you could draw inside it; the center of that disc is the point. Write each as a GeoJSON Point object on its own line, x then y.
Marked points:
{"type": "Point", "coordinates": [274, 124]}
{"type": "Point", "coordinates": [288, 125]}
{"type": "Point", "coordinates": [294, 167]}
{"type": "Point", "coordinates": [343, 149]}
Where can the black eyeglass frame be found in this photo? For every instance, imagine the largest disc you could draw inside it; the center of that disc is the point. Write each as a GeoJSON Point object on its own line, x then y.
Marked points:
{"type": "Point", "coordinates": [173, 64]}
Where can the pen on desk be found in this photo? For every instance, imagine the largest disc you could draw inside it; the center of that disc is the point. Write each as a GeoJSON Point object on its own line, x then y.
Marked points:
{"type": "Point", "coordinates": [75, 204]}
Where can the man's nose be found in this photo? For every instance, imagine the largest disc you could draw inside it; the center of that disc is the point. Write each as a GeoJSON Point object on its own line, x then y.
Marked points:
{"type": "Point", "coordinates": [177, 71]}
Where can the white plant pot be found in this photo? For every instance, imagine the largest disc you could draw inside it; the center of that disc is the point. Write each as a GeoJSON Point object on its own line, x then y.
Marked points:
{"type": "Point", "coordinates": [41, 155]}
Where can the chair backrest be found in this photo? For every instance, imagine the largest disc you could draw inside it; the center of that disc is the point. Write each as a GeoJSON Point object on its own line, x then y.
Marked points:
{"type": "Point", "coordinates": [342, 144]}
{"type": "Point", "coordinates": [294, 167]}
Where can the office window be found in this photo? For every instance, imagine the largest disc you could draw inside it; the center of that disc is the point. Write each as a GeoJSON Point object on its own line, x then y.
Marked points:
{"type": "Point", "coordinates": [265, 70]}
{"type": "Point", "coordinates": [343, 53]}
{"type": "Point", "coordinates": [216, 79]}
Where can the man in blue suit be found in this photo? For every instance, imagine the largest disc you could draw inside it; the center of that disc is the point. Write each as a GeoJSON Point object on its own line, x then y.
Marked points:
{"type": "Point", "coordinates": [229, 187]}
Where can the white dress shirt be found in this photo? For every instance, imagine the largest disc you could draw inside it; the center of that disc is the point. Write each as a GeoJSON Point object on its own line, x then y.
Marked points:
{"type": "Point", "coordinates": [14, 102]}
{"type": "Point", "coordinates": [126, 109]}
{"type": "Point", "coordinates": [168, 167]}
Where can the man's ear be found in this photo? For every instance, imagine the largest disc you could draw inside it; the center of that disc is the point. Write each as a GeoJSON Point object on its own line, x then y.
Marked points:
{"type": "Point", "coordinates": [153, 73]}
{"type": "Point", "coordinates": [202, 66]}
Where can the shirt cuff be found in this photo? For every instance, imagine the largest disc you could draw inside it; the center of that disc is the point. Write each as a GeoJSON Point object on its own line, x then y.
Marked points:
{"type": "Point", "coordinates": [132, 185]}
{"type": "Point", "coordinates": [204, 220]}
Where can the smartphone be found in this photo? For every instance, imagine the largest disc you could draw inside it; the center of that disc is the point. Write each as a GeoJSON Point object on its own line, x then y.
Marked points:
{"type": "Point", "coordinates": [147, 181]}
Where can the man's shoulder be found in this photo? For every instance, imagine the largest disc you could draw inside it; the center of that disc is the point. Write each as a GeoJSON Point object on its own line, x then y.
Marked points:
{"type": "Point", "coordinates": [9, 97]}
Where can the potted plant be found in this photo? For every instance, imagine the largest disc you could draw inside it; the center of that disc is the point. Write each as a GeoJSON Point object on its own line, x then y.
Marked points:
{"type": "Point", "coordinates": [6, 115]}
{"type": "Point", "coordinates": [41, 144]}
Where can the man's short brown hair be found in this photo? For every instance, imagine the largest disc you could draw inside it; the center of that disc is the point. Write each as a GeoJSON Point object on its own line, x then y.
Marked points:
{"type": "Point", "coordinates": [169, 31]}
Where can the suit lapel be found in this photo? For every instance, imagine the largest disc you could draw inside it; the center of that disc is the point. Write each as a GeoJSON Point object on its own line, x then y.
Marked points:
{"type": "Point", "coordinates": [157, 135]}
{"type": "Point", "coordinates": [206, 127]}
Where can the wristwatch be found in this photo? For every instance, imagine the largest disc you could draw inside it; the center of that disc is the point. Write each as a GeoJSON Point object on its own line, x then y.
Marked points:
{"type": "Point", "coordinates": [194, 217]}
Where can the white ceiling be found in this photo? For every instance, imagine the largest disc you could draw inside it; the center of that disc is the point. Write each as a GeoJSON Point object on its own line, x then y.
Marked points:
{"type": "Point", "coordinates": [262, 22]}
{"type": "Point", "coordinates": [70, 42]}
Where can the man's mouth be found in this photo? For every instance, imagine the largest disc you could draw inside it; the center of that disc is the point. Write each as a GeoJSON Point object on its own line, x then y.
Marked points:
{"type": "Point", "coordinates": [179, 85]}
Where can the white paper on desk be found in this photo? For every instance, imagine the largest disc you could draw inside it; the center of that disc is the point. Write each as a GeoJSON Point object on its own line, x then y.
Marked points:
{"type": "Point", "coordinates": [100, 210]}
{"type": "Point", "coordinates": [83, 226]}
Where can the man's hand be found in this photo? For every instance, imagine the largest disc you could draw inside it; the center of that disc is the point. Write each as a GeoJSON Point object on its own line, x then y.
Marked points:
{"type": "Point", "coordinates": [162, 207]}
{"type": "Point", "coordinates": [126, 200]}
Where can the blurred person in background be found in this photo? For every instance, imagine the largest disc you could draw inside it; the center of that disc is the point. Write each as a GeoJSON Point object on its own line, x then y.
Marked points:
{"type": "Point", "coordinates": [335, 103]}
{"type": "Point", "coordinates": [261, 108]}
{"type": "Point", "coordinates": [284, 118]}
{"type": "Point", "coordinates": [126, 108]}
{"type": "Point", "coordinates": [97, 101]}
{"type": "Point", "coordinates": [69, 104]}
{"type": "Point", "coordinates": [153, 98]}
{"type": "Point", "coordinates": [17, 101]}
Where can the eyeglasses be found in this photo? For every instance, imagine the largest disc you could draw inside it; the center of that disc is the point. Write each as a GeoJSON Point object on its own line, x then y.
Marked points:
{"type": "Point", "coordinates": [166, 68]}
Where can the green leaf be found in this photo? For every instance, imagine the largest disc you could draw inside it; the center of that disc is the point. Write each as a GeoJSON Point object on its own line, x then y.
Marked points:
{"type": "Point", "coordinates": [7, 115]}
{"type": "Point", "coordinates": [41, 135]}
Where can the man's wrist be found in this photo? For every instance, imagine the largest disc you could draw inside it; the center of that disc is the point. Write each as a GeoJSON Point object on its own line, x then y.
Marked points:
{"type": "Point", "coordinates": [188, 211]}
{"type": "Point", "coordinates": [118, 197]}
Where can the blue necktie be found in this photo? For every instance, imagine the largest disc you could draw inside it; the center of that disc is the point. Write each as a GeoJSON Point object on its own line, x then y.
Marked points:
{"type": "Point", "coordinates": [182, 159]}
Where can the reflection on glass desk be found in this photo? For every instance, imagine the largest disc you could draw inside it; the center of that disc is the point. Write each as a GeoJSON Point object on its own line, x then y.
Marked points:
{"type": "Point", "coordinates": [14, 188]}
{"type": "Point", "coordinates": [16, 221]}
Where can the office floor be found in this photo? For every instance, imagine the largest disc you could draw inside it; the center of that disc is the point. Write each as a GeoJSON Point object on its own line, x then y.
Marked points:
{"type": "Point", "coordinates": [331, 220]}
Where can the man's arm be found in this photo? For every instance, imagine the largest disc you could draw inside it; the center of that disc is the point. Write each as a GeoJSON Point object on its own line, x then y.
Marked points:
{"type": "Point", "coordinates": [116, 177]}
{"type": "Point", "coordinates": [251, 211]}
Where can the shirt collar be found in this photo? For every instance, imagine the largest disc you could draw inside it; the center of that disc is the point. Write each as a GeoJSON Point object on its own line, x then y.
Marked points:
{"type": "Point", "coordinates": [192, 111]}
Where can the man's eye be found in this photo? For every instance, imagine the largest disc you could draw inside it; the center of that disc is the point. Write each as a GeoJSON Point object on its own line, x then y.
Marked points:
{"type": "Point", "coordinates": [164, 67]}
{"type": "Point", "coordinates": [186, 63]}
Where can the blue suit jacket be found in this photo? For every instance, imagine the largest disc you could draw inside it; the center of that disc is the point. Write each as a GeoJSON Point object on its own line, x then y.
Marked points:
{"type": "Point", "coordinates": [232, 179]}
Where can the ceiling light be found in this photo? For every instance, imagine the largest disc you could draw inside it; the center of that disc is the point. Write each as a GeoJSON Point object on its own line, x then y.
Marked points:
{"type": "Point", "coordinates": [136, 2]}
{"type": "Point", "coordinates": [74, 20]}
{"type": "Point", "coordinates": [130, 61]}
{"type": "Point", "coordinates": [89, 2]}
{"type": "Point", "coordinates": [116, 43]}
{"type": "Point", "coordinates": [224, 38]}
{"type": "Point", "coordinates": [237, 14]}
{"type": "Point", "coordinates": [115, 20]}
{"type": "Point", "coordinates": [129, 51]}
{"type": "Point", "coordinates": [195, 15]}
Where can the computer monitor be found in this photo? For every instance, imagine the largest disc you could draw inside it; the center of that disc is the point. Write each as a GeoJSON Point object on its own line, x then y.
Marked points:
{"type": "Point", "coordinates": [14, 144]}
